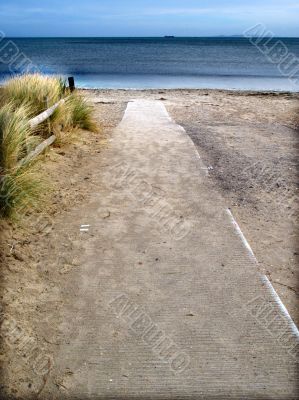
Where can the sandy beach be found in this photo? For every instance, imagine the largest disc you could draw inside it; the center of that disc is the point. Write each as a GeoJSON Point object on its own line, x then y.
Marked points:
{"type": "Point", "coordinates": [149, 200]}
{"type": "Point", "coordinates": [248, 141]}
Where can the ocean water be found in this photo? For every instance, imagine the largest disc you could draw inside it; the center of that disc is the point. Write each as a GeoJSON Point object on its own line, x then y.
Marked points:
{"type": "Point", "coordinates": [142, 63]}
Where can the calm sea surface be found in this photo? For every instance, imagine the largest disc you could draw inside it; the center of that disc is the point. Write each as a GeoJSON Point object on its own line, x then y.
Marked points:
{"type": "Point", "coordinates": [140, 63]}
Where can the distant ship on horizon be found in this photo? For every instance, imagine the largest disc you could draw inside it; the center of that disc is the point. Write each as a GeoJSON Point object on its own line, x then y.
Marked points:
{"type": "Point", "coordinates": [169, 37]}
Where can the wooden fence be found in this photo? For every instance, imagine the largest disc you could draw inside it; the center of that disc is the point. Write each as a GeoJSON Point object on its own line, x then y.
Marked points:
{"type": "Point", "coordinates": [41, 118]}
{"type": "Point", "coordinates": [35, 122]}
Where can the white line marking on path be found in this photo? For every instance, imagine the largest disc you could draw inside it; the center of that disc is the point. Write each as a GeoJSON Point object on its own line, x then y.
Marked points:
{"type": "Point", "coordinates": [84, 228]}
{"type": "Point", "coordinates": [282, 307]}
{"type": "Point", "coordinates": [265, 279]}
{"type": "Point", "coordinates": [240, 233]}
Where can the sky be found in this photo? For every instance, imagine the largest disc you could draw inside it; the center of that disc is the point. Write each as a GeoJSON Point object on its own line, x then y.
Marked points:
{"type": "Point", "coordinates": [28, 18]}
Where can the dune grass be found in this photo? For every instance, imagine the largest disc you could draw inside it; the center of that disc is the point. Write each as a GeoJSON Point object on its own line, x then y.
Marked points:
{"type": "Point", "coordinates": [38, 92]}
{"type": "Point", "coordinates": [20, 189]}
{"type": "Point", "coordinates": [16, 138]}
{"type": "Point", "coordinates": [22, 98]}
{"type": "Point", "coordinates": [81, 113]}
{"type": "Point", "coordinates": [17, 183]}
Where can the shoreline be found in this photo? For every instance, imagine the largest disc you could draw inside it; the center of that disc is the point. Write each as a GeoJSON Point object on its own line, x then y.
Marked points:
{"type": "Point", "coordinates": [237, 92]}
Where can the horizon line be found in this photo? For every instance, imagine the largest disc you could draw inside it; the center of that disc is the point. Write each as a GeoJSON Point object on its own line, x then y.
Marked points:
{"type": "Point", "coordinates": [143, 37]}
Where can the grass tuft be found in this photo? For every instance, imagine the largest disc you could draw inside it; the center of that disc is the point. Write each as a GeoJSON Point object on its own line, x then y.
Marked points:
{"type": "Point", "coordinates": [20, 189]}
{"type": "Point", "coordinates": [37, 91]}
{"type": "Point", "coordinates": [16, 138]}
{"type": "Point", "coordinates": [17, 185]}
{"type": "Point", "coordinates": [23, 98]}
{"type": "Point", "coordinates": [81, 113]}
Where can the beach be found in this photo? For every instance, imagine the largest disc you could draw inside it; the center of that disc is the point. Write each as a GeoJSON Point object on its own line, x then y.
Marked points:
{"type": "Point", "coordinates": [149, 200]}
{"type": "Point", "coordinates": [247, 140]}
{"type": "Point", "coordinates": [250, 142]}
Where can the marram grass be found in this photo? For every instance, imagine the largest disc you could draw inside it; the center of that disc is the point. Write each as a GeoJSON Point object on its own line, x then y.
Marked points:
{"type": "Point", "coordinates": [20, 190]}
{"type": "Point", "coordinates": [22, 98]}
{"type": "Point", "coordinates": [38, 92]}
{"type": "Point", "coordinates": [18, 187]}
{"type": "Point", "coordinates": [81, 113]}
{"type": "Point", "coordinates": [16, 138]}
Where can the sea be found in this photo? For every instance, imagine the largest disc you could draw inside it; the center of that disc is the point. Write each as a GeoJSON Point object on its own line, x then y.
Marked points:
{"type": "Point", "coordinates": [235, 63]}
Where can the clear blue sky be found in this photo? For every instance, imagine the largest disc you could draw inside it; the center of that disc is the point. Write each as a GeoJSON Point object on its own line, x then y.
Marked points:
{"type": "Point", "coordinates": [146, 17]}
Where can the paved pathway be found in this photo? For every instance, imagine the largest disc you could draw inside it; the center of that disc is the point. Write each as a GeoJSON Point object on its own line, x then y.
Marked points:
{"type": "Point", "coordinates": [167, 301]}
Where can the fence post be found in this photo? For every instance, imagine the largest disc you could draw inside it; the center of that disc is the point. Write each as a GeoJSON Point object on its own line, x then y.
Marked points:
{"type": "Point", "coordinates": [71, 83]}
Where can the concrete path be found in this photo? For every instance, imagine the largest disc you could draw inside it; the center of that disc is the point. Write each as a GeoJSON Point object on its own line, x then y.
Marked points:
{"type": "Point", "coordinates": [166, 301]}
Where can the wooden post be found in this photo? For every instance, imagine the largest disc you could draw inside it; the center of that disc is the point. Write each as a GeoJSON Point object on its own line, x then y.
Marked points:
{"type": "Point", "coordinates": [71, 83]}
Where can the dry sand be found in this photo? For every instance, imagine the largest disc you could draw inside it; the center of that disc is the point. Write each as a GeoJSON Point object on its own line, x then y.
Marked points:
{"type": "Point", "coordinates": [249, 142]}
